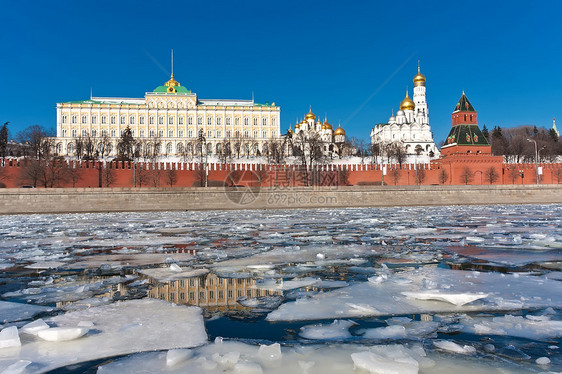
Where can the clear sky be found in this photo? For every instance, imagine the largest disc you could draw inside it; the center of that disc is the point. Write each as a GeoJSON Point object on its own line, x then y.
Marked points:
{"type": "Point", "coordinates": [349, 60]}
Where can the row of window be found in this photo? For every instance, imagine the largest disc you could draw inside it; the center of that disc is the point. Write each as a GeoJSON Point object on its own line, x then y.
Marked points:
{"type": "Point", "coordinates": [152, 133]}
{"type": "Point", "coordinates": [190, 148]}
{"type": "Point", "coordinates": [151, 119]}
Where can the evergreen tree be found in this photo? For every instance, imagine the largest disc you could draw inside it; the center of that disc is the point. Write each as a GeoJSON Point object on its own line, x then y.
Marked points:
{"type": "Point", "coordinates": [126, 145]}
{"type": "Point", "coordinates": [4, 140]}
{"type": "Point", "coordinates": [553, 135]}
{"type": "Point", "coordinates": [486, 133]}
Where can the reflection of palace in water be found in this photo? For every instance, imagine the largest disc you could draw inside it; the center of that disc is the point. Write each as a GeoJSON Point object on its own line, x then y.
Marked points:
{"type": "Point", "coordinates": [209, 291]}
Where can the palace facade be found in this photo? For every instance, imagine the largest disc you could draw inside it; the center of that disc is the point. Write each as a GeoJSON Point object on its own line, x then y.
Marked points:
{"type": "Point", "coordinates": [410, 126]}
{"type": "Point", "coordinates": [169, 121]}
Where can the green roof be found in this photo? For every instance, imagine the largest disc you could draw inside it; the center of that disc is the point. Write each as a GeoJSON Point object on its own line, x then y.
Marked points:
{"type": "Point", "coordinates": [164, 89]}
{"type": "Point", "coordinates": [464, 105]}
{"type": "Point", "coordinates": [466, 135]}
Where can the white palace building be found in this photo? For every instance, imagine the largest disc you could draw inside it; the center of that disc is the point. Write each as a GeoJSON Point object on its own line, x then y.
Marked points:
{"type": "Point", "coordinates": [410, 126]}
{"type": "Point", "coordinates": [171, 118]}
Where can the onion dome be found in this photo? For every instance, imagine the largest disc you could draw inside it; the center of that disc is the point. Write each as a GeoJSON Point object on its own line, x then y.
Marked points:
{"type": "Point", "coordinates": [419, 79]}
{"type": "Point", "coordinates": [310, 115]}
{"type": "Point", "coordinates": [297, 126]}
{"type": "Point", "coordinates": [392, 119]}
{"type": "Point", "coordinates": [407, 103]}
{"type": "Point", "coordinates": [326, 126]}
{"type": "Point", "coordinates": [290, 131]}
{"type": "Point", "coordinates": [339, 131]}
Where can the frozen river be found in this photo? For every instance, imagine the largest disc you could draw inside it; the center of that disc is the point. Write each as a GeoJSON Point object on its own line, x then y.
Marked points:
{"type": "Point", "coordinates": [393, 290]}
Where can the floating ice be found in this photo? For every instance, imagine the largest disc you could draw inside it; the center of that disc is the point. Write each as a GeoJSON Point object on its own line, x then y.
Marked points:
{"type": "Point", "coordinates": [174, 272]}
{"type": "Point", "coordinates": [530, 327]}
{"type": "Point", "coordinates": [458, 299]}
{"type": "Point", "coordinates": [377, 364]}
{"type": "Point", "coordinates": [9, 337]}
{"type": "Point", "coordinates": [121, 328]}
{"type": "Point", "coordinates": [12, 312]}
{"type": "Point", "coordinates": [17, 367]}
{"type": "Point", "coordinates": [62, 334]}
{"type": "Point", "coordinates": [386, 298]}
{"type": "Point", "coordinates": [34, 327]}
{"type": "Point", "coordinates": [337, 330]}
{"type": "Point", "coordinates": [175, 356]}
{"type": "Point", "coordinates": [542, 361]}
{"type": "Point", "coordinates": [447, 345]}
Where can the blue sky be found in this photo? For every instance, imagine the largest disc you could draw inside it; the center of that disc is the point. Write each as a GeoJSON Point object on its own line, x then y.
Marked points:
{"type": "Point", "coordinates": [351, 61]}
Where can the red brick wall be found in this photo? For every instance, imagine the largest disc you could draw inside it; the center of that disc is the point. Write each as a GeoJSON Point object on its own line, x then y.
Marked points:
{"type": "Point", "coordinates": [291, 175]}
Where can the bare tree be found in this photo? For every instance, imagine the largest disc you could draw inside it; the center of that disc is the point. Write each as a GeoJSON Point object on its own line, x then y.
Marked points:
{"type": "Point", "coordinates": [558, 174]}
{"type": "Point", "coordinates": [513, 174]}
{"type": "Point", "coordinates": [395, 173]}
{"type": "Point", "coordinates": [376, 152]}
{"type": "Point", "coordinates": [443, 176]}
{"type": "Point", "coordinates": [171, 176]}
{"type": "Point", "coordinates": [467, 175]}
{"type": "Point", "coordinates": [38, 140]}
{"type": "Point", "coordinates": [142, 175]}
{"type": "Point", "coordinates": [104, 144]}
{"type": "Point", "coordinates": [126, 145]}
{"type": "Point", "coordinates": [420, 176]}
{"type": "Point", "coordinates": [492, 175]}
{"type": "Point", "coordinates": [261, 173]}
{"type": "Point", "coordinates": [74, 173]}
{"type": "Point", "coordinates": [155, 175]}
{"type": "Point", "coordinates": [108, 175]}
{"type": "Point", "coordinates": [31, 171]}
{"type": "Point", "coordinates": [201, 174]}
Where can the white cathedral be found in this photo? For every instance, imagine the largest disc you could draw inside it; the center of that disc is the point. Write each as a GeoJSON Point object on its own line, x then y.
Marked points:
{"type": "Point", "coordinates": [410, 126]}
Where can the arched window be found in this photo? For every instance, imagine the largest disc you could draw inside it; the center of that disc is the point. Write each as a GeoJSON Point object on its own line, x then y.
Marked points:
{"type": "Point", "coordinates": [180, 120]}
{"type": "Point", "coordinates": [70, 148]}
{"type": "Point", "coordinates": [170, 133]}
{"type": "Point", "coordinates": [199, 120]}
{"type": "Point", "coordinates": [255, 134]}
{"type": "Point", "coordinates": [73, 119]}
{"type": "Point", "coordinates": [122, 120]}
{"type": "Point", "coordinates": [131, 120]}
{"type": "Point", "coordinates": [160, 120]}
{"type": "Point", "coordinates": [179, 148]}
{"type": "Point", "coordinates": [64, 118]}
{"type": "Point", "coordinates": [190, 134]}
{"type": "Point", "coordinates": [228, 121]}
{"type": "Point", "coordinates": [190, 120]}
{"type": "Point", "coordinates": [94, 120]}
{"type": "Point", "coordinates": [141, 120]}
{"type": "Point", "coordinates": [189, 148]}
{"type": "Point", "coordinates": [161, 133]}
{"type": "Point", "coordinates": [83, 119]}
{"type": "Point", "coordinates": [151, 133]}
{"type": "Point", "coordinates": [113, 119]}
{"type": "Point", "coordinates": [180, 134]}
{"type": "Point", "coordinates": [104, 120]}
{"type": "Point", "coordinates": [151, 120]}
{"type": "Point", "coordinates": [209, 134]}
{"type": "Point", "coordinates": [246, 121]}
{"type": "Point", "coordinates": [169, 148]}
{"type": "Point", "coordinates": [219, 121]}
{"type": "Point", "coordinates": [255, 121]}
{"type": "Point", "coordinates": [170, 120]}
{"type": "Point", "coordinates": [237, 121]}
{"type": "Point", "coordinates": [209, 121]}
{"type": "Point", "coordinates": [264, 121]}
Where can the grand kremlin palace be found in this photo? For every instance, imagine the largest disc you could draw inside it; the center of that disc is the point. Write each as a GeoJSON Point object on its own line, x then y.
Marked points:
{"type": "Point", "coordinates": [173, 118]}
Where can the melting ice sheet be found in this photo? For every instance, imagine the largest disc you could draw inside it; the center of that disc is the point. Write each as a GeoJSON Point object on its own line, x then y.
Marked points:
{"type": "Point", "coordinates": [116, 329]}
{"type": "Point", "coordinates": [395, 294]}
{"type": "Point", "coordinates": [236, 357]}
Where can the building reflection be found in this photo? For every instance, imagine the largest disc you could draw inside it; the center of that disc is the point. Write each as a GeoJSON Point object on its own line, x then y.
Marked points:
{"type": "Point", "coordinates": [209, 291]}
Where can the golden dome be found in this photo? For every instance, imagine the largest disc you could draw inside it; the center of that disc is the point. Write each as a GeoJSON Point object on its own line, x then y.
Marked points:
{"type": "Point", "coordinates": [172, 82]}
{"type": "Point", "coordinates": [419, 79]}
{"type": "Point", "coordinates": [339, 131]}
{"type": "Point", "coordinates": [407, 103]}
{"type": "Point", "coordinates": [310, 115]}
{"type": "Point", "coordinates": [326, 126]}
{"type": "Point", "coordinates": [297, 126]}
